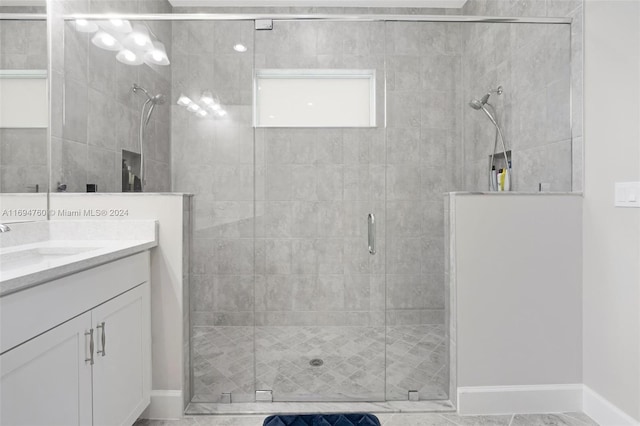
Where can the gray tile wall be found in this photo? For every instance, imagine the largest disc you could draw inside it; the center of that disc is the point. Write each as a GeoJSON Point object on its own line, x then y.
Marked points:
{"type": "Point", "coordinates": [97, 115]}
{"type": "Point", "coordinates": [23, 44]}
{"type": "Point", "coordinates": [540, 67]}
{"type": "Point", "coordinates": [23, 160]}
{"type": "Point", "coordinates": [423, 162]}
{"type": "Point", "coordinates": [23, 152]}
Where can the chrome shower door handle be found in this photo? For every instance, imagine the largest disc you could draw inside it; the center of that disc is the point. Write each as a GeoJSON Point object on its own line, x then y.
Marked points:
{"type": "Point", "coordinates": [372, 233]}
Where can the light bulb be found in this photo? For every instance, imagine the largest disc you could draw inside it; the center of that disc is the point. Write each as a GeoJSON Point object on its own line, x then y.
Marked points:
{"type": "Point", "coordinates": [184, 101]}
{"type": "Point", "coordinates": [193, 107]}
{"type": "Point", "coordinates": [221, 113]}
{"type": "Point", "coordinates": [157, 55]}
{"type": "Point", "coordinates": [215, 107]}
{"type": "Point", "coordinates": [201, 113]}
{"type": "Point", "coordinates": [106, 41]}
{"type": "Point", "coordinates": [139, 38]}
{"type": "Point", "coordinates": [207, 98]}
{"type": "Point", "coordinates": [240, 48]}
{"type": "Point", "coordinates": [85, 26]}
{"type": "Point", "coordinates": [128, 57]}
{"type": "Point", "coordinates": [116, 25]}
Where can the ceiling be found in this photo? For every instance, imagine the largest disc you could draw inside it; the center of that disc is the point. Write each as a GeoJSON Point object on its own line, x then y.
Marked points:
{"type": "Point", "coordinates": [322, 3]}
{"type": "Point", "coordinates": [24, 3]}
{"type": "Point", "coordinates": [276, 3]}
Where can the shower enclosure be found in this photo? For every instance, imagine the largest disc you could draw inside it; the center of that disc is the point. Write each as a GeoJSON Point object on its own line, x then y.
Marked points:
{"type": "Point", "coordinates": [287, 301]}
{"type": "Point", "coordinates": [287, 297]}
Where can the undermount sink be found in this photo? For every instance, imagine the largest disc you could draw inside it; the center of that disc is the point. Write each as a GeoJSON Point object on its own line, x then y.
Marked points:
{"type": "Point", "coordinates": [37, 255]}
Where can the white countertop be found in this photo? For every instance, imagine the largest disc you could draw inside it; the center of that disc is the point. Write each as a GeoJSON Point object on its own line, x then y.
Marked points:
{"type": "Point", "coordinates": [35, 253]}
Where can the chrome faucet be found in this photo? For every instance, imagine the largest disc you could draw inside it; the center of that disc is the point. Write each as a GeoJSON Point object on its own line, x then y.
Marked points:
{"type": "Point", "coordinates": [4, 228]}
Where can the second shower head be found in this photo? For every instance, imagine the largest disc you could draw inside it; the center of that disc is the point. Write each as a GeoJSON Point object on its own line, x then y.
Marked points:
{"type": "Point", "coordinates": [477, 104]}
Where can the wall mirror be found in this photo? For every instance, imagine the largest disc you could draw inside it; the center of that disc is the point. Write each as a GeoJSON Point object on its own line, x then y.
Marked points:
{"type": "Point", "coordinates": [24, 159]}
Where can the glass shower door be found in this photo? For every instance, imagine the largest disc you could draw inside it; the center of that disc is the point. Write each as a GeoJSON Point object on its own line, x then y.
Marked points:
{"type": "Point", "coordinates": [213, 154]}
{"type": "Point", "coordinates": [320, 293]}
{"type": "Point", "coordinates": [423, 103]}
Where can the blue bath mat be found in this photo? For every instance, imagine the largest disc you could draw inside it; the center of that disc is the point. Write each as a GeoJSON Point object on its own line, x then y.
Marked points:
{"type": "Point", "coordinates": [351, 419]}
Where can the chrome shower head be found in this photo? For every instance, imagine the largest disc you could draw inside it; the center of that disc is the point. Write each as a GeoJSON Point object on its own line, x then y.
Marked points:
{"type": "Point", "coordinates": [158, 99]}
{"type": "Point", "coordinates": [477, 104]}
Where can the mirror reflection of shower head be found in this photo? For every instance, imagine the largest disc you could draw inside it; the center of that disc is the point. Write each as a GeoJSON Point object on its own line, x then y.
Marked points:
{"type": "Point", "coordinates": [152, 101]}
{"type": "Point", "coordinates": [158, 99]}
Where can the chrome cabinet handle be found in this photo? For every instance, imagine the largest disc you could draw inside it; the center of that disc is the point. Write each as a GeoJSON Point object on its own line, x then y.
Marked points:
{"type": "Point", "coordinates": [103, 338]}
{"type": "Point", "coordinates": [90, 334]}
{"type": "Point", "coordinates": [372, 234]}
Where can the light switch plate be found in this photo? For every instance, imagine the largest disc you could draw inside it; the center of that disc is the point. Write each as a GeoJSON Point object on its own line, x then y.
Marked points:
{"type": "Point", "coordinates": [627, 194]}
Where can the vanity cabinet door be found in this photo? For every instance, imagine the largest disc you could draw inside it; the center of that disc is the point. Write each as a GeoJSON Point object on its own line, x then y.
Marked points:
{"type": "Point", "coordinates": [122, 369]}
{"type": "Point", "coordinates": [47, 380]}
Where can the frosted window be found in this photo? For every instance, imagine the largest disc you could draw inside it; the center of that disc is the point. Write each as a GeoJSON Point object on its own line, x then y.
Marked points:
{"type": "Point", "coordinates": [23, 99]}
{"type": "Point", "coordinates": [315, 98]}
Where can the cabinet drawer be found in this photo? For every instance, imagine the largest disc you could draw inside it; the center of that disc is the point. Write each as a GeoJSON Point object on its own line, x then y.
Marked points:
{"type": "Point", "coordinates": [28, 313]}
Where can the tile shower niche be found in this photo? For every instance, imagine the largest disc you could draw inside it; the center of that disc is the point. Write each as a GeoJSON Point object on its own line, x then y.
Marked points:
{"type": "Point", "coordinates": [131, 172]}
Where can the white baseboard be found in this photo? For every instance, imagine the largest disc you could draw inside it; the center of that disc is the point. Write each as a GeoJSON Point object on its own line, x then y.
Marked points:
{"type": "Point", "coordinates": [486, 400]}
{"type": "Point", "coordinates": [165, 405]}
{"type": "Point", "coordinates": [603, 411]}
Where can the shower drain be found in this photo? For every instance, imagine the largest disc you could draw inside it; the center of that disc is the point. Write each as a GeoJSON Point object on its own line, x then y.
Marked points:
{"type": "Point", "coordinates": [316, 362]}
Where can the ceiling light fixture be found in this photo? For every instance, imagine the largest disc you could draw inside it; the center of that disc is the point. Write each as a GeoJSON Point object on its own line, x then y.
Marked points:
{"type": "Point", "coordinates": [139, 38]}
{"type": "Point", "coordinates": [106, 41]}
{"type": "Point", "coordinates": [157, 55]}
{"type": "Point", "coordinates": [85, 26]}
{"type": "Point", "coordinates": [207, 98]}
{"type": "Point", "coordinates": [240, 48]}
{"type": "Point", "coordinates": [184, 100]}
{"type": "Point", "coordinates": [128, 57]}
{"type": "Point", "coordinates": [119, 25]}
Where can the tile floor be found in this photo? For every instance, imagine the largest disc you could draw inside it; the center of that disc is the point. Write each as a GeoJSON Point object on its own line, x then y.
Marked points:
{"type": "Point", "coordinates": [354, 366]}
{"type": "Point", "coordinates": [400, 419]}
